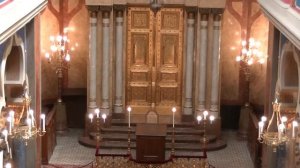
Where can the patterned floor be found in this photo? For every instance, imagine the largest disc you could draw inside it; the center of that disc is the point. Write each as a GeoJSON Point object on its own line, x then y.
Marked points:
{"type": "Point", "coordinates": [69, 152]}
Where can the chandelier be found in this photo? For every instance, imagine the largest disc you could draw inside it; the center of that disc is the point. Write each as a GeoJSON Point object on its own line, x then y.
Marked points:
{"type": "Point", "coordinates": [22, 125]}
{"type": "Point", "coordinates": [250, 54]}
{"type": "Point", "coordinates": [276, 132]}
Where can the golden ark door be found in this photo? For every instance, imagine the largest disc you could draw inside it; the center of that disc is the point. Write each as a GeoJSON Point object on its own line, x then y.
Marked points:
{"type": "Point", "coordinates": [154, 60]}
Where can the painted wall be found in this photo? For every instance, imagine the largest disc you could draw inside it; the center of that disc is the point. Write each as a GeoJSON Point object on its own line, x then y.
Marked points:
{"type": "Point", "coordinates": [77, 75]}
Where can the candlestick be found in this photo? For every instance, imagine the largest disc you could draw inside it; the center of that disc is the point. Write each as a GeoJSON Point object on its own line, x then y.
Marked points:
{"type": "Point", "coordinates": [129, 110]}
{"type": "Point", "coordinates": [104, 117]}
{"type": "Point", "coordinates": [174, 110]}
{"type": "Point", "coordinates": [44, 122]}
{"type": "Point", "coordinates": [260, 128]}
{"type": "Point", "coordinates": [295, 124]}
{"type": "Point", "coordinates": [199, 118]}
{"type": "Point", "coordinates": [9, 122]}
{"type": "Point", "coordinates": [12, 116]}
{"type": "Point", "coordinates": [91, 116]}
{"type": "Point", "coordinates": [205, 113]}
{"type": "Point", "coordinates": [97, 111]}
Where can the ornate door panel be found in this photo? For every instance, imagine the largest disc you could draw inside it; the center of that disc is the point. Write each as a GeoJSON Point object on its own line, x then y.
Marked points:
{"type": "Point", "coordinates": [139, 58]}
{"type": "Point", "coordinates": [154, 69]}
{"type": "Point", "coordinates": [168, 59]}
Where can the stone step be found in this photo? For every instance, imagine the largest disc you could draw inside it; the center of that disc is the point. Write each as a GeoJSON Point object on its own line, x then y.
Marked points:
{"type": "Point", "coordinates": [177, 131]}
{"type": "Point", "coordinates": [196, 147]}
{"type": "Point", "coordinates": [123, 122]}
{"type": "Point", "coordinates": [178, 138]}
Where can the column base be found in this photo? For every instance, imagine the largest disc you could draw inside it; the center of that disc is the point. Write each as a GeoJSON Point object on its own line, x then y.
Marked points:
{"type": "Point", "coordinates": [61, 118]}
{"type": "Point", "coordinates": [118, 108]}
{"type": "Point", "coordinates": [187, 118]}
{"type": "Point", "coordinates": [244, 121]}
{"type": "Point", "coordinates": [187, 111]}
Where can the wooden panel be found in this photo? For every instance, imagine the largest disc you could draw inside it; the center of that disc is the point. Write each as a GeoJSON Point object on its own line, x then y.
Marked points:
{"type": "Point", "coordinates": [139, 57]}
{"type": "Point", "coordinates": [169, 58]}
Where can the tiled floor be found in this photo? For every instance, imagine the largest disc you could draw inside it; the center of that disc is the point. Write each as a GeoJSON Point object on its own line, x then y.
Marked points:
{"type": "Point", "coordinates": [69, 152]}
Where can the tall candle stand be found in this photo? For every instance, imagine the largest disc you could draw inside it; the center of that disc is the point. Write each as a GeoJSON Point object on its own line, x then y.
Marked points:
{"type": "Point", "coordinates": [129, 132]}
{"type": "Point", "coordinates": [173, 132]}
{"type": "Point", "coordinates": [204, 138]}
{"type": "Point", "coordinates": [98, 126]}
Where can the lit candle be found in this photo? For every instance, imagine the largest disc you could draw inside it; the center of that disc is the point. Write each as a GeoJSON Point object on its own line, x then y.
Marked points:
{"type": "Point", "coordinates": [205, 113]}
{"type": "Point", "coordinates": [91, 116]}
{"type": "Point", "coordinates": [12, 116]}
{"type": "Point", "coordinates": [32, 118]}
{"type": "Point", "coordinates": [280, 131]}
{"type": "Point", "coordinates": [174, 110]}
{"type": "Point", "coordinates": [260, 128]}
{"type": "Point", "coordinates": [104, 117]}
{"type": "Point", "coordinates": [29, 126]}
{"type": "Point", "coordinates": [9, 122]}
{"type": "Point", "coordinates": [211, 118]}
{"type": "Point", "coordinates": [199, 118]}
{"type": "Point", "coordinates": [263, 118]}
{"type": "Point", "coordinates": [1, 159]}
{"type": "Point", "coordinates": [5, 133]}
{"type": "Point", "coordinates": [129, 110]}
{"type": "Point", "coordinates": [295, 124]}
{"type": "Point", "coordinates": [97, 111]}
{"type": "Point", "coordinates": [8, 165]}
{"type": "Point", "coordinates": [43, 122]}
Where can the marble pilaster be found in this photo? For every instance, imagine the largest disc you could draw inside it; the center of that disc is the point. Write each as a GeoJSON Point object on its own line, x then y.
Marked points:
{"type": "Point", "coordinates": [92, 62]}
{"type": "Point", "coordinates": [215, 71]}
{"type": "Point", "coordinates": [118, 106]}
{"type": "Point", "coordinates": [202, 63]}
{"type": "Point", "coordinates": [188, 97]}
{"type": "Point", "coordinates": [105, 94]}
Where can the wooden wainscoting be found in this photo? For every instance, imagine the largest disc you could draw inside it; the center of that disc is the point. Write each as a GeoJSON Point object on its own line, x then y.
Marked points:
{"type": "Point", "coordinates": [254, 147]}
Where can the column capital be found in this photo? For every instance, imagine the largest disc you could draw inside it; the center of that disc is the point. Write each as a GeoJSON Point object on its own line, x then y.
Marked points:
{"type": "Point", "coordinates": [191, 9]}
{"type": "Point", "coordinates": [204, 11]}
{"type": "Point", "coordinates": [120, 7]}
{"type": "Point", "coordinates": [217, 11]}
{"type": "Point", "coordinates": [105, 8]}
{"type": "Point", "coordinates": [92, 8]}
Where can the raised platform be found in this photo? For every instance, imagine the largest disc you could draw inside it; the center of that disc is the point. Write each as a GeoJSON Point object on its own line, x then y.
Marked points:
{"type": "Point", "coordinates": [187, 138]}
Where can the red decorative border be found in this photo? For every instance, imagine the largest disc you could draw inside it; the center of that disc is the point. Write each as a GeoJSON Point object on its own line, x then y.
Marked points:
{"type": "Point", "coordinates": [5, 3]}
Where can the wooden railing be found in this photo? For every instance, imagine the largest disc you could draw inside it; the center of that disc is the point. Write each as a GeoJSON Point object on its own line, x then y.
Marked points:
{"type": "Point", "coordinates": [254, 147]}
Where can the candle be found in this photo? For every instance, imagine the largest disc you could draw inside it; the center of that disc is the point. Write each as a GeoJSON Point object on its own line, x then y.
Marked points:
{"type": "Point", "coordinates": [280, 131]}
{"type": "Point", "coordinates": [43, 122]}
{"type": "Point", "coordinates": [29, 126]}
{"type": "Point", "coordinates": [1, 159]}
{"type": "Point", "coordinates": [12, 116]}
{"type": "Point", "coordinates": [263, 118]}
{"type": "Point", "coordinates": [5, 133]}
{"type": "Point", "coordinates": [9, 122]}
{"type": "Point", "coordinates": [199, 118]}
{"type": "Point", "coordinates": [91, 116]}
{"type": "Point", "coordinates": [31, 116]}
{"type": "Point", "coordinates": [104, 117]}
{"type": "Point", "coordinates": [174, 110]}
{"type": "Point", "coordinates": [97, 111]}
{"type": "Point", "coordinates": [8, 165]}
{"type": "Point", "coordinates": [295, 124]}
{"type": "Point", "coordinates": [205, 113]}
{"type": "Point", "coordinates": [211, 118]}
{"type": "Point", "coordinates": [260, 128]}
{"type": "Point", "coordinates": [129, 110]}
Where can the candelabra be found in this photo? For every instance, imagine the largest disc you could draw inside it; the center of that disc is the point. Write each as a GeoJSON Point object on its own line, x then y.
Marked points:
{"type": "Point", "coordinates": [98, 125]}
{"type": "Point", "coordinates": [22, 125]}
{"type": "Point", "coordinates": [129, 132]}
{"type": "Point", "coordinates": [59, 57]}
{"type": "Point", "coordinates": [276, 132]}
{"type": "Point", "coordinates": [204, 118]}
{"type": "Point", "coordinates": [250, 54]}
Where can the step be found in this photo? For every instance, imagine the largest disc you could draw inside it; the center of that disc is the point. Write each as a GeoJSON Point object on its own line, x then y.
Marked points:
{"type": "Point", "coordinates": [123, 122]}
{"type": "Point", "coordinates": [178, 138]}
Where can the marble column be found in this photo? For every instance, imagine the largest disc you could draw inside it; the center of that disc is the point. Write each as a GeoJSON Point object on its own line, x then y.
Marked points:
{"type": "Point", "coordinates": [215, 74]}
{"type": "Point", "coordinates": [105, 61]}
{"type": "Point", "coordinates": [202, 62]}
{"type": "Point", "coordinates": [188, 105]}
{"type": "Point", "coordinates": [118, 106]}
{"type": "Point", "coordinates": [92, 62]}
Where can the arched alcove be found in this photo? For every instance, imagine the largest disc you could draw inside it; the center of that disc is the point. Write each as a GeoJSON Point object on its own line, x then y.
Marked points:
{"type": "Point", "coordinates": [13, 70]}
{"type": "Point", "coordinates": [288, 79]}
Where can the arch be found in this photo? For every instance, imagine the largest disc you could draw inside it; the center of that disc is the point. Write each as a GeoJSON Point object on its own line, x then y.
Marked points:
{"type": "Point", "coordinates": [15, 49]}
